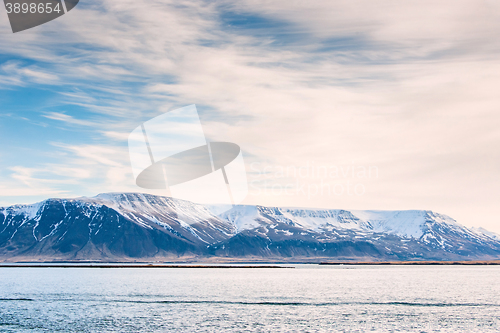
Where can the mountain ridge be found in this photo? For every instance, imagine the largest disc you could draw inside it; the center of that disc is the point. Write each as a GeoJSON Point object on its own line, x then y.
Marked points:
{"type": "Point", "coordinates": [133, 226]}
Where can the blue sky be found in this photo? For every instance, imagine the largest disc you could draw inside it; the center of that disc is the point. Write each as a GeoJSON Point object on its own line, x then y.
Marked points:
{"type": "Point", "coordinates": [408, 88]}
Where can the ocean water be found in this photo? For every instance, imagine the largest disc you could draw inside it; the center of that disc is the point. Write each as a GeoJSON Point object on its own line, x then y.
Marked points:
{"type": "Point", "coordinates": [307, 298]}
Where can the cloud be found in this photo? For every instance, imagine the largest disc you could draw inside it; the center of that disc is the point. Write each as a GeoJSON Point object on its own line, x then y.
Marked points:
{"type": "Point", "coordinates": [17, 74]}
{"type": "Point", "coordinates": [123, 137]}
{"type": "Point", "coordinates": [24, 185]}
{"type": "Point", "coordinates": [408, 87]}
{"type": "Point", "coordinates": [38, 76]}
{"type": "Point", "coordinates": [416, 26]}
{"type": "Point", "coordinates": [68, 119]}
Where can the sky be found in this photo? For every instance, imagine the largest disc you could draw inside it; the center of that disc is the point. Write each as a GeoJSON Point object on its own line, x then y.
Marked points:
{"type": "Point", "coordinates": [335, 104]}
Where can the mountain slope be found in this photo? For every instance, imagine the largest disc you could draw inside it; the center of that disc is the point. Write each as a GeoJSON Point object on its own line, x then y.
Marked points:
{"type": "Point", "coordinates": [132, 226]}
{"type": "Point", "coordinates": [64, 229]}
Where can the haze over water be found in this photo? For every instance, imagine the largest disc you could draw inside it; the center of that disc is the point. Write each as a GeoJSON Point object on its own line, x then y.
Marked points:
{"type": "Point", "coordinates": [308, 298]}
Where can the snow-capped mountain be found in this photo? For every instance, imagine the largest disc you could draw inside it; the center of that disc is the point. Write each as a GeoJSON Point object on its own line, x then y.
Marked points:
{"type": "Point", "coordinates": [123, 226]}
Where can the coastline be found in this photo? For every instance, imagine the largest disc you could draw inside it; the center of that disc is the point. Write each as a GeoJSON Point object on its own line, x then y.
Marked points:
{"type": "Point", "coordinates": [470, 263]}
{"type": "Point", "coordinates": [122, 265]}
{"type": "Point", "coordinates": [236, 264]}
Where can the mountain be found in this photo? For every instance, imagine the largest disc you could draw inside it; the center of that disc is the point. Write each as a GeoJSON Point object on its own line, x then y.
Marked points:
{"type": "Point", "coordinates": [143, 227]}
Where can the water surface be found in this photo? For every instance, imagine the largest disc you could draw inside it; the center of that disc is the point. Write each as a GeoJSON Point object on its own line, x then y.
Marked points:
{"type": "Point", "coordinates": [309, 298]}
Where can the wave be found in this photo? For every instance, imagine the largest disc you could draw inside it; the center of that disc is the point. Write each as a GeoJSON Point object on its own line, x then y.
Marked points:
{"type": "Point", "coordinates": [274, 303]}
{"type": "Point", "coordinates": [269, 303]}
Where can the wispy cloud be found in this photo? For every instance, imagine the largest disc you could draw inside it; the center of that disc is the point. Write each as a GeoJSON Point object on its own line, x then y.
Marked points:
{"type": "Point", "coordinates": [407, 86]}
{"type": "Point", "coordinates": [68, 119]}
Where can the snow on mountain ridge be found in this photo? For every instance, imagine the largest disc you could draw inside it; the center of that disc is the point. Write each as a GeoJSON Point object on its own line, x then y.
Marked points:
{"type": "Point", "coordinates": [135, 225]}
{"type": "Point", "coordinates": [407, 223]}
{"type": "Point", "coordinates": [319, 218]}
{"type": "Point", "coordinates": [145, 208]}
{"type": "Point", "coordinates": [30, 211]}
{"type": "Point", "coordinates": [242, 217]}
{"type": "Point", "coordinates": [166, 212]}
{"type": "Point", "coordinates": [134, 203]}
{"type": "Point", "coordinates": [486, 233]}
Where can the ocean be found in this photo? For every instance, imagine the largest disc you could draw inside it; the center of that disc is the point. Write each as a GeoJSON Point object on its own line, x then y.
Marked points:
{"type": "Point", "coordinates": [300, 298]}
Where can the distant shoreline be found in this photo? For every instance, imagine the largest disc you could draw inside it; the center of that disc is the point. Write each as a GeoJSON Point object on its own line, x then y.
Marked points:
{"type": "Point", "coordinates": [472, 262]}
{"type": "Point", "coordinates": [98, 265]}
{"type": "Point", "coordinates": [71, 264]}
